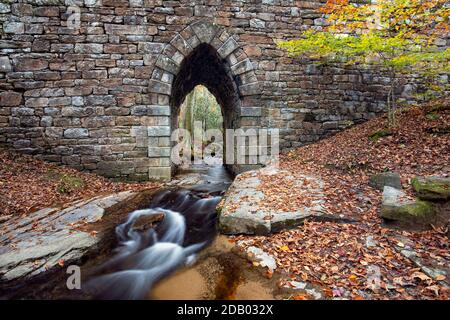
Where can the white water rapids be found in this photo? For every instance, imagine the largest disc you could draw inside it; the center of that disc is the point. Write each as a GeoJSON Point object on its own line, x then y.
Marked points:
{"type": "Point", "coordinates": [144, 257]}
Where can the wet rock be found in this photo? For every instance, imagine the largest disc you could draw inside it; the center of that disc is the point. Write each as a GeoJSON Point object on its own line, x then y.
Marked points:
{"type": "Point", "coordinates": [245, 218]}
{"type": "Point", "coordinates": [397, 206]}
{"type": "Point", "coordinates": [391, 179]}
{"type": "Point", "coordinates": [143, 223]}
{"type": "Point", "coordinates": [245, 212]}
{"type": "Point", "coordinates": [435, 267]}
{"type": "Point", "coordinates": [297, 285]}
{"type": "Point", "coordinates": [257, 255]}
{"type": "Point", "coordinates": [432, 188]}
{"type": "Point", "coordinates": [39, 242]}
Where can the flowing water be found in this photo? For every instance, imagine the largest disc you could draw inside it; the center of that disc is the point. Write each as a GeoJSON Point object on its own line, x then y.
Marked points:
{"type": "Point", "coordinates": [144, 256]}
{"type": "Point", "coordinates": [170, 249]}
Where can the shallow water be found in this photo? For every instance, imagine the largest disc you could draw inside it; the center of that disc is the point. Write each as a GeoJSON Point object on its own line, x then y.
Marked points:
{"type": "Point", "coordinates": [218, 274]}
{"type": "Point", "coordinates": [144, 257]}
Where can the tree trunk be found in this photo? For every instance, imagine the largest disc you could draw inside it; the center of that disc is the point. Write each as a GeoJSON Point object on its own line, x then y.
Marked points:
{"type": "Point", "coordinates": [392, 106]}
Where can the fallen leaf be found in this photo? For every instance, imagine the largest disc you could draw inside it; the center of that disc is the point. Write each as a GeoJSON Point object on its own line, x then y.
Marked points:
{"type": "Point", "coordinates": [300, 297]}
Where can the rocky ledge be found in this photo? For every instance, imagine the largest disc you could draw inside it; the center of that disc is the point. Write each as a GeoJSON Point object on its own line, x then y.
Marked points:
{"type": "Point", "coordinates": [48, 239]}
{"type": "Point", "coordinates": [430, 208]}
{"type": "Point", "coordinates": [245, 209]}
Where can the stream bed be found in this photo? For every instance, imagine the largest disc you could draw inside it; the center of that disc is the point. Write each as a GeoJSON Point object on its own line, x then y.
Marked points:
{"type": "Point", "coordinates": [172, 250]}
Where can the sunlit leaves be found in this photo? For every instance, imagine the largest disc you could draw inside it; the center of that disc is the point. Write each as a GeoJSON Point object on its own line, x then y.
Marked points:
{"type": "Point", "coordinates": [398, 35]}
{"type": "Point", "coordinates": [394, 33]}
{"type": "Point", "coordinates": [338, 257]}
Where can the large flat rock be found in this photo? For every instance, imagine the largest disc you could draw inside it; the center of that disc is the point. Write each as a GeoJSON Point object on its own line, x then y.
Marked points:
{"type": "Point", "coordinates": [32, 245]}
{"type": "Point", "coordinates": [398, 207]}
{"type": "Point", "coordinates": [432, 188]}
{"type": "Point", "coordinates": [245, 210]}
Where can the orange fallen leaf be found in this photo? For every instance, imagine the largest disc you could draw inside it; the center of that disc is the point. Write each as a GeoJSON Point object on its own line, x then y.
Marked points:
{"type": "Point", "coordinates": [440, 277]}
{"type": "Point", "coordinates": [420, 275]}
{"type": "Point", "coordinates": [300, 297]}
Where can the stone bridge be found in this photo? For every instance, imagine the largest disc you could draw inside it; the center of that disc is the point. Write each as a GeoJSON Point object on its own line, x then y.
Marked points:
{"type": "Point", "coordinates": [97, 84]}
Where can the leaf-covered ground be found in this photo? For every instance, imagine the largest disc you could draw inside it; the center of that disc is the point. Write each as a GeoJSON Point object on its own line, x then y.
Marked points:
{"type": "Point", "coordinates": [28, 184]}
{"type": "Point", "coordinates": [360, 260]}
{"type": "Point", "coordinates": [355, 261]}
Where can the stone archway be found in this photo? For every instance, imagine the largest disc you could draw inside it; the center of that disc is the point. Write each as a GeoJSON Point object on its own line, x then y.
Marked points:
{"type": "Point", "coordinates": [204, 66]}
{"type": "Point", "coordinates": [204, 54]}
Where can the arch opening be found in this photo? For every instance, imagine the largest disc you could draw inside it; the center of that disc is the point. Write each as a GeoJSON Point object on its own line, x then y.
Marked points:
{"type": "Point", "coordinates": [200, 113]}
{"type": "Point", "coordinates": [204, 68]}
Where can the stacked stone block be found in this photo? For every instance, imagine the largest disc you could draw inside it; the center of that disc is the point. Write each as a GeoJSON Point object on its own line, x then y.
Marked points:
{"type": "Point", "coordinates": [99, 97]}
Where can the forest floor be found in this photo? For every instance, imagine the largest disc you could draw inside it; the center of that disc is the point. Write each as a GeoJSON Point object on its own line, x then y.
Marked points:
{"type": "Point", "coordinates": [28, 184]}
{"type": "Point", "coordinates": [344, 259]}
{"type": "Point", "coordinates": [364, 260]}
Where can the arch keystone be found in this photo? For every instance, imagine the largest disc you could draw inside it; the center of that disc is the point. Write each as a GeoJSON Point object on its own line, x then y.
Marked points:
{"type": "Point", "coordinates": [205, 31]}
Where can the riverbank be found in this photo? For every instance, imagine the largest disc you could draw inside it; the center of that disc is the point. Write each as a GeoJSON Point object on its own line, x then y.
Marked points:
{"type": "Point", "coordinates": [346, 259]}
{"type": "Point", "coordinates": [355, 256]}
{"type": "Point", "coordinates": [28, 184]}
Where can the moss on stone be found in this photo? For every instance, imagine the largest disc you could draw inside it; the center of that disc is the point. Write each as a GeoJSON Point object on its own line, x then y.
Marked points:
{"type": "Point", "coordinates": [69, 183]}
{"type": "Point", "coordinates": [439, 107]}
{"type": "Point", "coordinates": [419, 212]}
{"type": "Point", "coordinates": [379, 134]}
{"type": "Point", "coordinates": [432, 116]}
{"type": "Point", "coordinates": [431, 188]}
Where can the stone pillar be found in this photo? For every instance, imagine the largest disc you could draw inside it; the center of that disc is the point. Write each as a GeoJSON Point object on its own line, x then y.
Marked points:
{"type": "Point", "coordinates": [159, 148]}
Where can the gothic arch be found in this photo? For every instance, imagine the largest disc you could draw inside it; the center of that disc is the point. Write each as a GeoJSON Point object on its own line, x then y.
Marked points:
{"type": "Point", "coordinates": [204, 53]}
{"type": "Point", "coordinates": [185, 42]}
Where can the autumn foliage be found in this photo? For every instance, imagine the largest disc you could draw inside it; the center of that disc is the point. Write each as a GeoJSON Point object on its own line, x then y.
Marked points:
{"type": "Point", "coordinates": [339, 257]}
{"type": "Point", "coordinates": [28, 184]}
{"type": "Point", "coordinates": [399, 36]}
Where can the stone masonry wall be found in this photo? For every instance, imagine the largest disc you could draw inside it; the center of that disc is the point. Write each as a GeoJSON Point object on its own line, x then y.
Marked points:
{"type": "Point", "coordinates": [100, 97]}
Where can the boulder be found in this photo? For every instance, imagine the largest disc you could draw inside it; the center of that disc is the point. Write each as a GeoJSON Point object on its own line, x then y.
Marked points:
{"type": "Point", "coordinates": [53, 237]}
{"type": "Point", "coordinates": [143, 223]}
{"type": "Point", "coordinates": [380, 180]}
{"type": "Point", "coordinates": [246, 212]}
{"type": "Point", "coordinates": [397, 206]}
{"type": "Point", "coordinates": [256, 255]}
{"type": "Point", "coordinates": [432, 188]}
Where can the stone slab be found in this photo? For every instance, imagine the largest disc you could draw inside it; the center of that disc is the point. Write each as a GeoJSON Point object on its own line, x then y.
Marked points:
{"type": "Point", "coordinates": [245, 212]}
{"type": "Point", "coordinates": [37, 243]}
